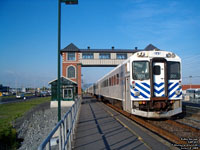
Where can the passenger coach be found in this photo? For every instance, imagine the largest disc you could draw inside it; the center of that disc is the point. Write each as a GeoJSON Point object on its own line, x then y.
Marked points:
{"type": "Point", "coordinates": [147, 84]}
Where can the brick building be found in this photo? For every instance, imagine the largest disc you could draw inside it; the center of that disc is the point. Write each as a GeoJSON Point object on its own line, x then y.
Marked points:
{"type": "Point", "coordinates": [185, 87]}
{"type": "Point", "coordinates": [71, 66]}
{"type": "Point", "coordinates": [74, 58]}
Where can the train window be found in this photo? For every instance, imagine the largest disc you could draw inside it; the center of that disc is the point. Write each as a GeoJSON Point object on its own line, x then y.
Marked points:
{"type": "Point", "coordinates": [112, 81]}
{"type": "Point", "coordinates": [140, 70]}
{"type": "Point", "coordinates": [156, 70]}
{"type": "Point", "coordinates": [109, 81]}
{"type": "Point", "coordinates": [173, 70]}
{"type": "Point", "coordinates": [115, 81]}
{"type": "Point", "coordinates": [117, 78]}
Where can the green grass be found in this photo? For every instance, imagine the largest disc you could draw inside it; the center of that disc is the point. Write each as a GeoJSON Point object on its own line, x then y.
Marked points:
{"type": "Point", "coordinates": [10, 112]}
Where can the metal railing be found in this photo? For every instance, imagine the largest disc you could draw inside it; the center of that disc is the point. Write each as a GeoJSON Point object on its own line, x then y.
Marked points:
{"type": "Point", "coordinates": [65, 129]}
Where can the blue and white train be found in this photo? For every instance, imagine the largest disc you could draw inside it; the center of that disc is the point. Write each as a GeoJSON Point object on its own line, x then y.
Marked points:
{"type": "Point", "coordinates": [147, 84]}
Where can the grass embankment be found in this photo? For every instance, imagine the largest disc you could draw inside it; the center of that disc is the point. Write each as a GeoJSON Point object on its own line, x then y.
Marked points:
{"type": "Point", "coordinates": [8, 114]}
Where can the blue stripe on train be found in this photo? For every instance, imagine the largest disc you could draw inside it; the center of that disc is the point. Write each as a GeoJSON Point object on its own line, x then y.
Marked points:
{"type": "Point", "coordinates": [174, 86]}
{"type": "Point", "coordinates": [147, 85]}
{"type": "Point", "coordinates": [158, 91]}
{"type": "Point", "coordinates": [143, 89]}
{"type": "Point", "coordinates": [158, 85]}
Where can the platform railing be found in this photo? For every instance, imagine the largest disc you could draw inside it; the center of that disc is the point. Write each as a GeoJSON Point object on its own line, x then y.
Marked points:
{"type": "Point", "coordinates": [64, 130]}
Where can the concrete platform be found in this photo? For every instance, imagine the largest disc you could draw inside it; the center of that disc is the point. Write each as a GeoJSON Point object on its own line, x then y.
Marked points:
{"type": "Point", "coordinates": [100, 127]}
{"type": "Point", "coordinates": [54, 104]}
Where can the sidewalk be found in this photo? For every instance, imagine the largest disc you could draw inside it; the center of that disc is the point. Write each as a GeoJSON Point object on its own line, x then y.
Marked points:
{"type": "Point", "coordinates": [97, 129]}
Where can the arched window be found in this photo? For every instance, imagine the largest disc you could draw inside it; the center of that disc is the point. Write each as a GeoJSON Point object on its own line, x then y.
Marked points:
{"type": "Point", "coordinates": [71, 72]}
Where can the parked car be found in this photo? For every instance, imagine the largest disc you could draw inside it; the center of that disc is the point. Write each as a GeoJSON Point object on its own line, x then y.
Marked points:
{"type": "Point", "coordinates": [42, 94]}
{"type": "Point", "coordinates": [20, 95]}
{"type": "Point", "coordinates": [197, 93]}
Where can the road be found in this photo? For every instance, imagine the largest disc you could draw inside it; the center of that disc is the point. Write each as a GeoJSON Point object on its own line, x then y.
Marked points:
{"type": "Point", "coordinates": [14, 100]}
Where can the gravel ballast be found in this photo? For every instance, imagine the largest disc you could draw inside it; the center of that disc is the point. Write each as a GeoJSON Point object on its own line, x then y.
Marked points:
{"type": "Point", "coordinates": [35, 125]}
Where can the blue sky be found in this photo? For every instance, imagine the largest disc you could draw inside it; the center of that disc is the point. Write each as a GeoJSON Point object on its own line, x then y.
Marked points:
{"type": "Point", "coordinates": [28, 34]}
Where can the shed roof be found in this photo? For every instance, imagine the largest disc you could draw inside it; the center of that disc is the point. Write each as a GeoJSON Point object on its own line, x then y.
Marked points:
{"type": "Point", "coordinates": [64, 80]}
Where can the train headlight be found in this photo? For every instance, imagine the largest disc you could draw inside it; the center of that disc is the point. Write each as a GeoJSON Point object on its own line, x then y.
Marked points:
{"type": "Point", "coordinates": [137, 93]}
{"type": "Point", "coordinates": [168, 55]}
{"type": "Point", "coordinates": [179, 83]}
{"type": "Point", "coordinates": [141, 54]}
{"type": "Point", "coordinates": [178, 92]}
{"type": "Point", "coordinates": [173, 55]}
{"type": "Point", "coordinates": [133, 84]}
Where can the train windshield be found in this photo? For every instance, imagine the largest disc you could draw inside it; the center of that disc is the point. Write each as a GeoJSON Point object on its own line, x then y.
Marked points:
{"type": "Point", "coordinates": [140, 70]}
{"type": "Point", "coordinates": [173, 70]}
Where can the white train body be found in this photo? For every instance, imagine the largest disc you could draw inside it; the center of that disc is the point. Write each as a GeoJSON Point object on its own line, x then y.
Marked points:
{"type": "Point", "coordinates": [147, 84]}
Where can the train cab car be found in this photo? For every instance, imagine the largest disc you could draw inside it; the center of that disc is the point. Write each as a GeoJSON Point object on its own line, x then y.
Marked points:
{"type": "Point", "coordinates": [147, 84]}
{"type": "Point", "coordinates": [155, 84]}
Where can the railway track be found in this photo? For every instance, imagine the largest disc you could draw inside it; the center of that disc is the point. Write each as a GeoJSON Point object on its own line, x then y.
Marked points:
{"type": "Point", "coordinates": [176, 132]}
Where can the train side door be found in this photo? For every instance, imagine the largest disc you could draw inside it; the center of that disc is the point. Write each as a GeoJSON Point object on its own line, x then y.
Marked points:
{"type": "Point", "coordinates": [159, 79]}
{"type": "Point", "coordinates": [127, 95]}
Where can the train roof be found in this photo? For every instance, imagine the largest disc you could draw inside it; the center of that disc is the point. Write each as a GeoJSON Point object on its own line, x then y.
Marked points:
{"type": "Point", "coordinates": [124, 62]}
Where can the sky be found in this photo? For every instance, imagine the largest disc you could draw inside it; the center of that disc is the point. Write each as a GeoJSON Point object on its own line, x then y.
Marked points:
{"type": "Point", "coordinates": [28, 34]}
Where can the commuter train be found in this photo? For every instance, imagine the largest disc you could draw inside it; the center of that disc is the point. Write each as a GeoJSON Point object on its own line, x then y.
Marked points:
{"type": "Point", "coordinates": [147, 84]}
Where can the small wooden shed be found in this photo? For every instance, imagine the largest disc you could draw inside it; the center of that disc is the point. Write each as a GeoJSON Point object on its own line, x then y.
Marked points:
{"type": "Point", "coordinates": [68, 89]}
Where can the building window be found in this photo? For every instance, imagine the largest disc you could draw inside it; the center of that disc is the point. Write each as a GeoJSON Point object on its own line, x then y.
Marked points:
{"type": "Point", "coordinates": [71, 56]}
{"type": "Point", "coordinates": [68, 93]}
{"type": "Point", "coordinates": [71, 72]}
{"type": "Point", "coordinates": [87, 56]}
{"type": "Point", "coordinates": [104, 56]}
{"type": "Point", "coordinates": [121, 56]}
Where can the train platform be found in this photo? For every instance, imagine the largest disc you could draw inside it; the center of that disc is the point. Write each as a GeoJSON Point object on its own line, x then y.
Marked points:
{"type": "Point", "coordinates": [99, 127]}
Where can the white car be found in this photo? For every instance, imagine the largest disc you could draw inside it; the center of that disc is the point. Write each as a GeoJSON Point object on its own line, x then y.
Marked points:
{"type": "Point", "coordinates": [19, 95]}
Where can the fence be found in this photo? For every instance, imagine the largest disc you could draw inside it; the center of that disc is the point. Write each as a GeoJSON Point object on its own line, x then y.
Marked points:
{"type": "Point", "coordinates": [65, 129]}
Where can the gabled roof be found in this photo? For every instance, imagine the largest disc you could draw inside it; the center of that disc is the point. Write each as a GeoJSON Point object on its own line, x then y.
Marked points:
{"type": "Point", "coordinates": [150, 47]}
{"type": "Point", "coordinates": [70, 48]}
{"type": "Point", "coordinates": [63, 79]}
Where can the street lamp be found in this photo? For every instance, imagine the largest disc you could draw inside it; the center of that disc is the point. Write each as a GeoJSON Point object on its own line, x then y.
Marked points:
{"type": "Point", "coordinates": [190, 77]}
{"type": "Point", "coordinates": [67, 2]}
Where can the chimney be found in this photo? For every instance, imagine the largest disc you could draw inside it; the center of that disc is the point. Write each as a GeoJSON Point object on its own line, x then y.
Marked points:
{"type": "Point", "coordinates": [136, 48]}
{"type": "Point", "coordinates": [113, 47]}
{"type": "Point", "coordinates": [88, 47]}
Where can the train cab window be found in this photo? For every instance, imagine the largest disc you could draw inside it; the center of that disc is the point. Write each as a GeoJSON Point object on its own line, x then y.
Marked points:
{"type": "Point", "coordinates": [140, 70]}
{"type": "Point", "coordinates": [156, 70]}
{"type": "Point", "coordinates": [173, 70]}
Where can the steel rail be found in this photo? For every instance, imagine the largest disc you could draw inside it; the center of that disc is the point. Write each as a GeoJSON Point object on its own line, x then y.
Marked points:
{"type": "Point", "coordinates": [162, 132]}
{"type": "Point", "coordinates": [184, 126]}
